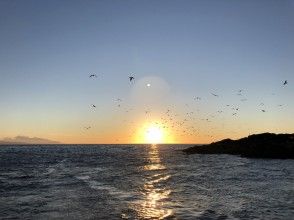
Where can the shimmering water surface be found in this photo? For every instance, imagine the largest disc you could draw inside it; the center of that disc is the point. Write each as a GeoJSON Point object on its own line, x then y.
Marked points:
{"type": "Point", "coordinates": [140, 182]}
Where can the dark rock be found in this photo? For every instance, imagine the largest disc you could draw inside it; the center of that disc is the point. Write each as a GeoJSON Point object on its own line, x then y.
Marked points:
{"type": "Point", "coordinates": [266, 145]}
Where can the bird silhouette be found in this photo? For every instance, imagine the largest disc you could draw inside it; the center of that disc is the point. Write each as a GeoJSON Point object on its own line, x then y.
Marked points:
{"type": "Point", "coordinates": [263, 110]}
{"type": "Point", "coordinates": [131, 78]}
{"type": "Point", "coordinates": [93, 75]}
{"type": "Point", "coordinates": [87, 128]}
{"type": "Point", "coordinates": [94, 106]}
{"type": "Point", "coordinates": [285, 83]}
{"type": "Point", "coordinates": [214, 94]}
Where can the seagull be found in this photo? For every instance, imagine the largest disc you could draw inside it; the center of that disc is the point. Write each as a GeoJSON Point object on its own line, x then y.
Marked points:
{"type": "Point", "coordinates": [285, 83]}
{"type": "Point", "coordinates": [94, 106]}
{"type": "Point", "coordinates": [93, 75]}
{"type": "Point", "coordinates": [214, 94]}
{"type": "Point", "coordinates": [131, 78]}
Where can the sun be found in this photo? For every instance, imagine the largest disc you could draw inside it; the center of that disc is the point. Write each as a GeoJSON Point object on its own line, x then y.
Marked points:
{"type": "Point", "coordinates": [154, 135]}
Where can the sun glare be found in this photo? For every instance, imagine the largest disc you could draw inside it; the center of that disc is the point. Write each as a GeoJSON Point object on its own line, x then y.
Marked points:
{"type": "Point", "coordinates": [154, 135]}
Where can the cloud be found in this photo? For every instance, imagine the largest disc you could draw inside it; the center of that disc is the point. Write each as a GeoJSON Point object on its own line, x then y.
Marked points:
{"type": "Point", "coordinates": [27, 140]}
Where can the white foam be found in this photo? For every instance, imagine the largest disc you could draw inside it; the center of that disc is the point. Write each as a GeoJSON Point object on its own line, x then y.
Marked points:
{"type": "Point", "coordinates": [49, 170]}
{"type": "Point", "coordinates": [110, 190]}
{"type": "Point", "coordinates": [83, 177]}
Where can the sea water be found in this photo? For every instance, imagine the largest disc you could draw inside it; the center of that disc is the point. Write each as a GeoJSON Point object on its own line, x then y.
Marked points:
{"type": "Point", "coordinates": [140, 182]}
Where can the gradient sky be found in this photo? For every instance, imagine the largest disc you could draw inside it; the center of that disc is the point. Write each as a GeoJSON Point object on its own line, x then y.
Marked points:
{"type": "Point", "coordinates": [183, 49]}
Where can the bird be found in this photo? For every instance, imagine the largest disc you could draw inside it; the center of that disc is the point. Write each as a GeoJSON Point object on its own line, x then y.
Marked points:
{"type": "Point", "coordinates": [263, 110]}
{"type": "Point", "coordinates": [131, 78]}
{"type": "Point", "coordinates": [94, 106]}
{"type": "Point", "coordinates": [214, 94]}
{"type": "Point", "coordinates": [93, 75]}
{"type": "Point", "coordinates": [197, 98]}
{"type": "Point", "coordinates": [87, 128]}
{"type": "Point", "coordinates": [285, 83]}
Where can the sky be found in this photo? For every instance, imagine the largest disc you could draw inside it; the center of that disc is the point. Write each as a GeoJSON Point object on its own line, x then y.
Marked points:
{"type": "Point", "coordinates": [176, 50]}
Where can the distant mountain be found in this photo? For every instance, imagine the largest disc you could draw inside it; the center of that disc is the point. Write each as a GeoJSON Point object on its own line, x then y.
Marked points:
{"type": "Point", "coordinates": [266, 145]}
{"type": "Point", "coordinates": [26, 140]}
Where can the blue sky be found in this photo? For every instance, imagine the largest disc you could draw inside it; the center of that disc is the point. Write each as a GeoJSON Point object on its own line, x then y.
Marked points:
{"type": "Point", "coordinates": [49, 48]}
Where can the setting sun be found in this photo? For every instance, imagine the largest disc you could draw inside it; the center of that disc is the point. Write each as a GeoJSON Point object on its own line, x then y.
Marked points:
{"type": "Point", "coordinates": [153, 132]}
{"type": "Point", "coordinates": [154, 135]}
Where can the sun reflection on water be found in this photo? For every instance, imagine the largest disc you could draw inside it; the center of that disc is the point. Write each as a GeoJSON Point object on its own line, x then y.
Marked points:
{"type": "Point", "coordinates": [155, 191]}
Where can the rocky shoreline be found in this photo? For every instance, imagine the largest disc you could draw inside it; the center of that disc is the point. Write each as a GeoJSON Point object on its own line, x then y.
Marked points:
{"type": "Point", "coordinates": [265, 145]}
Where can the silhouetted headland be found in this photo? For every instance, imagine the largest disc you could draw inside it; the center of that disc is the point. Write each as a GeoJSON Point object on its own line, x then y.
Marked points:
{"type": "Point", "coordinates": [266, 145]}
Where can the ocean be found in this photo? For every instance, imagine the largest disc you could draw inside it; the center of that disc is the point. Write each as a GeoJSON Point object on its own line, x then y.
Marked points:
{"type": "Point", "coordinates": [140, 182]}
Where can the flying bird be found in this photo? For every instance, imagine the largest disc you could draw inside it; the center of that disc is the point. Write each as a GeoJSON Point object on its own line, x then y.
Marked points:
{"type": "Point", "coordinates": [93, 75]}
{"type": "Point", "coordinates": [263, 110]}
{"type": "Point", "coordinates": [94, 106]}
{"type": "Point", "coordinates": [214, 94]}
{"type": "Point", "coordinates": [87, 128]}
{"type": "Point", "coordinates": [285, 83]}
{"type": "Point", "coordinates": [131, 78]}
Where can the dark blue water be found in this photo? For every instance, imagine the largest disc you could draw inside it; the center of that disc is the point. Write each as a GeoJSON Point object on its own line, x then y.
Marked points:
{"type": "Point", "coordinates": [140, 182]}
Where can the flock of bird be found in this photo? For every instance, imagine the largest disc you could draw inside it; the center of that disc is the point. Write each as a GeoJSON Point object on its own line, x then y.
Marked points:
{"type": "Point", "coordinates": [179, 123]}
